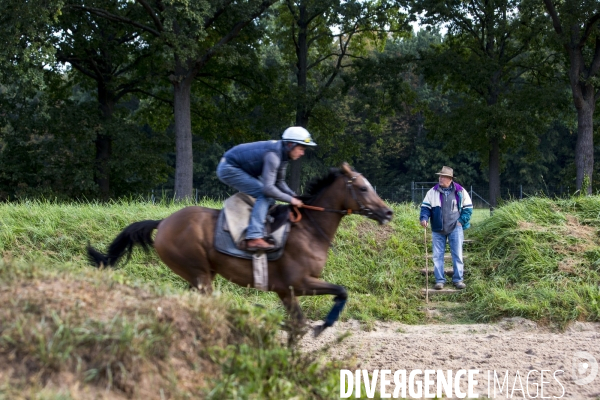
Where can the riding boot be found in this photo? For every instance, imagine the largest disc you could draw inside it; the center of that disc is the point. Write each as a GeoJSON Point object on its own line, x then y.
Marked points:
{"type": "Point", "coordinates": [258, 244]}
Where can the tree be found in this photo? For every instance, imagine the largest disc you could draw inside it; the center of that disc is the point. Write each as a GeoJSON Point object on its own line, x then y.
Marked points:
{"type": "Point", "coordinates": [24, 46]}
{"type": "Point", "coordinates": [320, 39]}
{"type": "Point", "coordinates": [577, 27]}
{"type": "Point", "coordinates": [488, 63]}
{"type": "Point", "coordinates": [47, 36]}
{"type": "Point", "coordinates": [186, 35]}
{"type": "Point", "coordinates": [388, 96]}
{"type": "Point", "coordinates": [110, 55]}
{"type": "Point", "coordinates": [47, 144]}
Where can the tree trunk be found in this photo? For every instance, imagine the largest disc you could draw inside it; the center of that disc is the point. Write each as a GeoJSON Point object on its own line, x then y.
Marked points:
{"type": "Point", "coordinates": [301, 76]}
{"type": "Point", "coordinates": [102, 173]}
{"type": "Point", "coordinates": [585, 104]}
{"type": "Point", "coordinates": [582, 88]}
{"type": "Point", "coordinates": [494, 171]}
{"type": "Point", "coordinates": [296, 166]}
{"type": "Point", "coordinates": [104, 143]}
{"type": "Point", "coordinates": [584, 149]}
{"type": "Point", "coordinates": [184, 161]}
{"type": "Point", "coordinates": [494, 145]}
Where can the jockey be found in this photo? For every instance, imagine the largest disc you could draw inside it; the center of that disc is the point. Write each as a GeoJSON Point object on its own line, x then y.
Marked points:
{"type": "Point", "coordinates": [258, 169]}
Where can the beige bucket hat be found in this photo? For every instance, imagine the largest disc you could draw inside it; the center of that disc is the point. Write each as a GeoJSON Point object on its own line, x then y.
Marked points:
{"type": "Point", "coordinates": [446, 171]}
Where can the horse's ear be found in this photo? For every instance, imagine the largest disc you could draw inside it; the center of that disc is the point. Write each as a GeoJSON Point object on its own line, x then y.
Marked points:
{"type": "Point", "coordinates": [346, 169]}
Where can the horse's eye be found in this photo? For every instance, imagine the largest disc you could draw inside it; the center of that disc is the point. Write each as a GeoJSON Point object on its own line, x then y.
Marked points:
{"type": "Point", "coordinates": [363, 189]}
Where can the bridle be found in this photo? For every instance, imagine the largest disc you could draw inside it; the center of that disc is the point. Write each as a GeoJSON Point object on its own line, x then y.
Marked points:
{"type": "Point", "coordinates": [362, 210]}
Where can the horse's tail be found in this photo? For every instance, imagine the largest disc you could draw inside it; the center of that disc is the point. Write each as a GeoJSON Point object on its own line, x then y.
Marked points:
{"type": "Point", "coordinates": [136, 233]}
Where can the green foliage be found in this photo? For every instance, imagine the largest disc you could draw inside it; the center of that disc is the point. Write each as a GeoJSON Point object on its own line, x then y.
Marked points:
{"type": "Point", "coordinates": [585, 185]}
{"type": "Point", "coordinates": [272, 372]}
{"type": "Point", "coordinates": [48, 148]}
{"type": "Point", "coordinates": [26, 44]}
{"type": "Point", "coordinates": [387, 99]}
{"type": "Point", "coordinates": [318, 42]}
{"type": "Point", "coordinates": [263, 368]}
{"type": "Point", "coordinates": [549, 162]}
{"type": "Point", "coordinates": [497, 75]}
{"type": "Point", "coordinates": [374, 108]}
{"type": "Point", "coordinates": [52, 341]}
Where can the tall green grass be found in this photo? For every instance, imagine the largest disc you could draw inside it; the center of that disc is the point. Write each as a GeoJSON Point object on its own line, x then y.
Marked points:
{"type": "Point", "coordinates": [376, 264]}
{"type": "Point", "coordinates": [539, 259]}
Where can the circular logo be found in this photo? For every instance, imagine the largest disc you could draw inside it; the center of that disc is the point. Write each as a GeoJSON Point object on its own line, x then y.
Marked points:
{"type": "Point", "coordinates": [585, 368]}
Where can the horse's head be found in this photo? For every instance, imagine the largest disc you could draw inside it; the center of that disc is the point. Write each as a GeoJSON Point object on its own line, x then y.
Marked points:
{"type": "Point", "coordinates": [362, 198]}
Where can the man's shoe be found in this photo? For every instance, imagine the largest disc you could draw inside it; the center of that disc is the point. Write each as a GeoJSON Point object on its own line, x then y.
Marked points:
{"type": "Point", "coordinates": [438, 286]}
{"type": "Point", "coordinates": [460, 285]}
{"type": "Point", "coordinates": [258, 244]}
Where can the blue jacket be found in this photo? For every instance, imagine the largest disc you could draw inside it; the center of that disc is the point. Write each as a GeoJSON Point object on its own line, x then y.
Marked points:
{"type": "Point", "coordinates": [431, 208]}
{"type": "Point", "coordinates": [249, 157]}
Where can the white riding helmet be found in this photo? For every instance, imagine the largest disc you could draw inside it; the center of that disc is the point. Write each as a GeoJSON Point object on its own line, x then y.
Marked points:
{"type": "Point", "coordinates": [298, 134]}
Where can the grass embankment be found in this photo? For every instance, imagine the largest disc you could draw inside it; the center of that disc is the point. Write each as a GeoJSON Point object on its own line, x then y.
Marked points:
{"type": "Point", "coordinates": [376, 264]}
{"type": "Point", "coordinates": [87, 336]}
{"type": "Point", "coordinates": [139, 329]}
{"type": "Point", "coordinates": [74, 331]}
{"type": "Point", "coordinates": [538, 259]}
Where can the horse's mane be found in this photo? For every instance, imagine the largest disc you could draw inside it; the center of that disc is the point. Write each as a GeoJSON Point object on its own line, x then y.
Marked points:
{"type": "Point", "coordinates": [316, 185]}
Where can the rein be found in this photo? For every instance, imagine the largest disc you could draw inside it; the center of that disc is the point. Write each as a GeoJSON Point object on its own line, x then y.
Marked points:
{"type": "Point", "coordinates": [296, 216]}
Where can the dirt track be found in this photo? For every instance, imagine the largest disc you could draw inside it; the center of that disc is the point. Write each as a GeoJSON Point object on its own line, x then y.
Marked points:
{"type": "Point", "coordinates": [512, 345]}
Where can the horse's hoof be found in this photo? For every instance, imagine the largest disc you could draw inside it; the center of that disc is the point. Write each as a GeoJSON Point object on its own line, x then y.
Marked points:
{"type": "Point", "coordinates": [318, 330]}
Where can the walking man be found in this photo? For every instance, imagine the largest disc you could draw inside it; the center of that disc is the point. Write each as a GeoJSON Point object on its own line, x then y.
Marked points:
{"type": "Point", "coordinates": [449, 208]}
{"type": "Point", "coordinates": [258, 169]}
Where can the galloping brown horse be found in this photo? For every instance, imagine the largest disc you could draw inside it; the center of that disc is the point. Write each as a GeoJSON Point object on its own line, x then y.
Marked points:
{"type": "Point", "coordinates": [184, 241]}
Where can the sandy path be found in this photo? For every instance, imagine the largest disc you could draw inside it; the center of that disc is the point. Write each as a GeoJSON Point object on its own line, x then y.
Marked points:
{"type": "Point", "coordinates": [512, 345]}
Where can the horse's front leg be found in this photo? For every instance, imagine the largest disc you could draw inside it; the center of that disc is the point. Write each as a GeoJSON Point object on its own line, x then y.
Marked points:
{"type": "Point", "coordinates": [297, 321]}
{"type": "Point", "coordinates": [314, 287]}
{"type": "Point", "coordinates": [290, 302]}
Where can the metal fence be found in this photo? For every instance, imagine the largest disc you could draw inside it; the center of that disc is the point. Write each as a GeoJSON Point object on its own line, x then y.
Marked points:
{"type": "Point", "coordinates": [158, 195]}
{"type": "Point", "coordinates": [416, 191]}
{"type": "Point", "coordinates": [413, 193]}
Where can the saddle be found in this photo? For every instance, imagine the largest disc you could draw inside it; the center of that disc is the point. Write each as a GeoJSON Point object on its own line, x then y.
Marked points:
{"type": "Point", "coordinates": [230, 232]}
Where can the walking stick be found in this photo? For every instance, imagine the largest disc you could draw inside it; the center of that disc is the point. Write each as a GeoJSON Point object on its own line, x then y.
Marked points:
{"type": "Point", "coordinates": [426, 267]}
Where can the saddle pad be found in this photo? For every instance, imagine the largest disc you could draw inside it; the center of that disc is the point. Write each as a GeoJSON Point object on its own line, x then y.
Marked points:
{"type": "Point", "coordinates": [237, 210]}
{"type": "Point", "coordinates": [225, 231]}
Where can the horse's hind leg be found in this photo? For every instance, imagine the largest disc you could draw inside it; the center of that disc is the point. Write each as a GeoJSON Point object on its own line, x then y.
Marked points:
{"type": "Point", "coordinates": [203, 282]}
{"type": "Point", "coordinates": [194, 271]}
